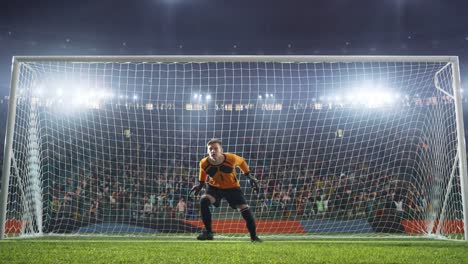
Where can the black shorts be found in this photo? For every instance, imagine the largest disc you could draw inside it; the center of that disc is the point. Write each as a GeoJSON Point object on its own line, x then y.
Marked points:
{"type": "Point", "coordinates": [233, 196]}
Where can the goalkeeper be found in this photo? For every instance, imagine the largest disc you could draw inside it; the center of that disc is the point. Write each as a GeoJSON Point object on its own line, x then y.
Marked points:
{"type": "Point", "coordinates": [223, 183]}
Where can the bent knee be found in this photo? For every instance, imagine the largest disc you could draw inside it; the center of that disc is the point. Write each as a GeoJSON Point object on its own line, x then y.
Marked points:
{"type": "Point", "coordinates": [242, 207]}
{"type": "Point", "coordinates": [208, 197]}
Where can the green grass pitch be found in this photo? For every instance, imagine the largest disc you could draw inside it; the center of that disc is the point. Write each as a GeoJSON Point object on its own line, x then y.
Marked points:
{"type": "Point", "coordinates": [137, 250]}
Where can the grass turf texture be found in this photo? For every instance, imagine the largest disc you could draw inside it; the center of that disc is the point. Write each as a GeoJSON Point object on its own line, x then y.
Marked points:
{"type": "Point", "coordinates": [117, 250]}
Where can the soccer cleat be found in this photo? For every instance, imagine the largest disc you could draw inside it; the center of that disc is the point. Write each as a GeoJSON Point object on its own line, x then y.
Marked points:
{"type": "Point", "coordinates": [205, 236]}
{"type": "Point", "coordinates": [256, 240]}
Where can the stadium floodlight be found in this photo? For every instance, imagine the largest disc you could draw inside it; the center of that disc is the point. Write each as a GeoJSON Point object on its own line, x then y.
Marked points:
{"type": "Point", "coordinates": [350, 98]}
{"type": "Point", "coordinates": [101, 94]}
{"type": "Point", "coordinates": [208, 97]}
{"type": "Point", "coordinates": [376, 99]}
{"type": "Point", "coordinates": [79, 99]}
{"type": "Point", "coordinates": [59, 92]}
{"type": "Point", "coordinates": [106, 94]}
{"type": "Point", "coordinates": [39, 91]}
{"type": "Point", "coordinates": [120, 169]}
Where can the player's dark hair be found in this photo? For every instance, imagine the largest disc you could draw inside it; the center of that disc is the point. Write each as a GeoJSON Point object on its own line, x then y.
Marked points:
{"type": "Point", "coordinates": [214, 141]}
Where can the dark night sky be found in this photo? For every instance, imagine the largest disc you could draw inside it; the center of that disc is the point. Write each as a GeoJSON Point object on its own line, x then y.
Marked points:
{"type": "Point", "coordinates": [163, 27]}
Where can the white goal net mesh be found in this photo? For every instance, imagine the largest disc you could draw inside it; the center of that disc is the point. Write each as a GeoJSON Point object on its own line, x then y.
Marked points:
{"type": "Point", "coordinates": [344, 148]}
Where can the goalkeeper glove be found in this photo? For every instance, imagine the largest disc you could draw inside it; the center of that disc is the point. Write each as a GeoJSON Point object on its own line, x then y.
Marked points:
{"type": "Point", "coordinates": [253, 182]}
{"type": "Point", "coordinates": [197, 188]}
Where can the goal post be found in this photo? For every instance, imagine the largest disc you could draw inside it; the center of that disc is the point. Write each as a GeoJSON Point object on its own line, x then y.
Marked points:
{"type": "Point", "coordinates": [456, 82]}
{"type": "Point", "coordinates": [8, 148]}
{"type": "Point", "coordinates": [343, 146]}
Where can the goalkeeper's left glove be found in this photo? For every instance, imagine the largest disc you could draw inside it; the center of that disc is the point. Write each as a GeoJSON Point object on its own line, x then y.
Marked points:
{"type": "Point", "coordinates": [253, 182]}
{"type": "Point", "coordinates": [197, 188]}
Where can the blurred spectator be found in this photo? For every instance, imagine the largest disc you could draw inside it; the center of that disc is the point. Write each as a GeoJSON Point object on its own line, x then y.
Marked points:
{"type": "Point", "coordinates": [181, 208]}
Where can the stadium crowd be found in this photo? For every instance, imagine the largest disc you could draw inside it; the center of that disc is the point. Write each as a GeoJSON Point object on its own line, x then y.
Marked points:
{"type": "Point", "coordinates": [130, 163]}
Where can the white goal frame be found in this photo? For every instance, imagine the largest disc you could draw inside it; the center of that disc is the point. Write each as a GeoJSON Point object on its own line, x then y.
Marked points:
{"type": "Point", "coordinates": [20, 60]}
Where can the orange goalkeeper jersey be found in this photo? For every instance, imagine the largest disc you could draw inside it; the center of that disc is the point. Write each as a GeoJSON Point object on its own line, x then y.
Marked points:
{"type": "Point", "coordinates": [223, 176]}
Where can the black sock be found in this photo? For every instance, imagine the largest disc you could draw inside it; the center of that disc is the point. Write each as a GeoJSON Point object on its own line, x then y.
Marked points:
{"type": "Point", "coordinates": [249, 221]}
{"type": "Point", "coordinates": [206, 214]}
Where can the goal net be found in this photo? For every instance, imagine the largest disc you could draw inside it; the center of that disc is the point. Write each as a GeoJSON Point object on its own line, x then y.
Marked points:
{"type": "Point", "coordinates": [342, 146]}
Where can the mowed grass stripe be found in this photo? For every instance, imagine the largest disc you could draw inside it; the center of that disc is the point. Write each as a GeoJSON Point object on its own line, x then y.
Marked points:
{"type": "Point", "coordinates": [229, 251]}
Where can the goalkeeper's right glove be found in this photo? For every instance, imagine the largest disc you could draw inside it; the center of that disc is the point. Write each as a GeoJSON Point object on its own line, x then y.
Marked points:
{"type": "Point", "coordinates": [197, 188]}
{"type": "Point", "coordinates": [253, 182]}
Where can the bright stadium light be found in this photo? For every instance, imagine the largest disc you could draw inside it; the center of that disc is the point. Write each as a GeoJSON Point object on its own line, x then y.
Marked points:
{"type": "Point", "coordinates": [79, 99]}
{"type": "Point", "coordinates": [59, 92]}
{"type": "Point", "coordinates": [208, 97]}
{"type": "Point", "coordinates": [110, 94]}
{"type": "Point", "coordinates": [198, 97]}
{"type": "Point", "coordinates": [101, 94]}
{"type": "Point", "coordinates": [378, 99]}
{"type": "Point", "coordinates": [387, 98]}
{"type": "Point", "coordinates": [371, 94]}
{"type": "Point", "coordinates": [260, 97]}
{"type": "Point", "coordinates": [135, 97]}
{"type": "Point", "coordinates": [39, 91]}
{"type": "Point", "coordinates": [350, 98]}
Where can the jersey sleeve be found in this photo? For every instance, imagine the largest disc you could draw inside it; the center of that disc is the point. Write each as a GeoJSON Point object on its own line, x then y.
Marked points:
{"type": "Point", "coordinates": [242, 164]}
{"type": "Point", "coordinates": [203, 176]}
